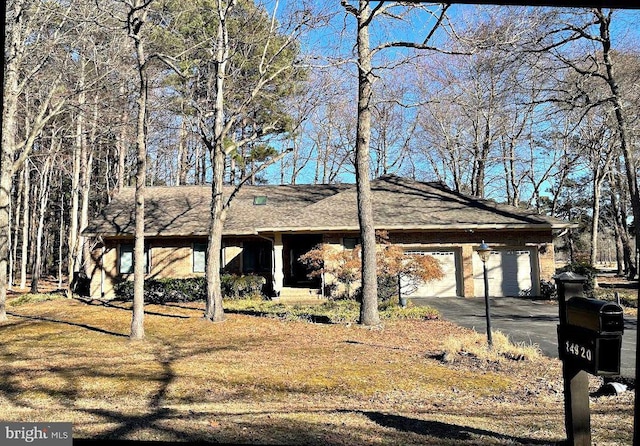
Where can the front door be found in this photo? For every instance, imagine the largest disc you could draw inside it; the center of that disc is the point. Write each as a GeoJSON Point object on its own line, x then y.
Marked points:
{"type": "Point", "coordinates": [295, 272]}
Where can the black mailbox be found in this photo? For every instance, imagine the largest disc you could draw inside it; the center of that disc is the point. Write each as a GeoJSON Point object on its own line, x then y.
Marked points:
{"type": "Point", "coordinates": [596, 315]}
{"type": "Point", "coordinates": [592, 336]}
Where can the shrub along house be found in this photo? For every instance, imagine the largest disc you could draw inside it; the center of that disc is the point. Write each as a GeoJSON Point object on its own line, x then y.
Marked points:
{"type": "Point", "coordinates": [269, 227]}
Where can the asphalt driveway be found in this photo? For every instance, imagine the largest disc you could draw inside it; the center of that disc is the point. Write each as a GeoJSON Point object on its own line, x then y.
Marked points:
{"type": "Point", "coordinates": [522, 320]}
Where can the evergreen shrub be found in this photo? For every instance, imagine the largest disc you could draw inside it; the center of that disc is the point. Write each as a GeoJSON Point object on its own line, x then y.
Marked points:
{"type": "Point", "coordinates": [585, 270]}
{"type": "Point", "coordinates": [161, 291]}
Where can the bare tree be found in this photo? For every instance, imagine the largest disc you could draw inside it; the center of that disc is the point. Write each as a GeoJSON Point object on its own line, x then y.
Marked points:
{"type": "Point", "coordinates": [31, 36]}
{"type": "Point", "coordinates": [599, 148]}
{"type": "Point", "coordinates": [593, 28]}
{"type": "Point", "coordinates": [303, 107]}
{"type": "Point", "coordinates": [369, 306]}
{"type": "Point", "coordinates": [26, 192]}
{"type": "Point", "coordinates": [619, 197]}
{"type": "Point", "coordinates": [136, 18]}
{"type": "Point", "coordinates": [332, 128]}
{"type": "Point", "coordinates": [364, 14]}
{"type": "Point", "coordinates": [43, 194]}
{"type": "Point", "coordinates": [214, 310]}
{"type": "Point", "coordinates": [395, 123]}
{"type": "Point", "coordinates": [79, 148]}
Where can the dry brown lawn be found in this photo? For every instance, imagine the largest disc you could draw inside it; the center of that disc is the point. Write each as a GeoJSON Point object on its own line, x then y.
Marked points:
{"type": "Point", "coordinates": [253, 380]}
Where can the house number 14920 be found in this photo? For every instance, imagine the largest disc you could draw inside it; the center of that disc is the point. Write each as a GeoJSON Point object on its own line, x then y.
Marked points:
{"type": "Point", "coordinates": [578, 350]}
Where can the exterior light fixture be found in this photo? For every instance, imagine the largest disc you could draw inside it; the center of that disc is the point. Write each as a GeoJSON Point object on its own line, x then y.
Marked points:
{"type": "Point", "coordinates": [484, 251]}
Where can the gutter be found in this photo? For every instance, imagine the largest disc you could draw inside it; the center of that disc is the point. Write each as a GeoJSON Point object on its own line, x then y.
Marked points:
{"type": "Point", "coordinates": [416, 228]}
{"type": "Point", "coordinates": [350, 228]}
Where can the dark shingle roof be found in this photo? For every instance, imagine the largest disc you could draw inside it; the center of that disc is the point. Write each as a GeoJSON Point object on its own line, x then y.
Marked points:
{"type": "Point", "coordinates": [398, 204]}
{"type": "Point", "coordinates": [185, 210]}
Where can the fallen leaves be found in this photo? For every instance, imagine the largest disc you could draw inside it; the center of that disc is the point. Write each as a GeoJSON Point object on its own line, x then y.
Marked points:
{"type": "Point", "coordinates": [263, 380]}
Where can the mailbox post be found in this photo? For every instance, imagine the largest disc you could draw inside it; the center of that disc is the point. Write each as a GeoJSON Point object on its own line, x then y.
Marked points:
{"type": "Point", "coordinates": [589, 341]}
{"type": "Point", "coordinates": [577, 418]}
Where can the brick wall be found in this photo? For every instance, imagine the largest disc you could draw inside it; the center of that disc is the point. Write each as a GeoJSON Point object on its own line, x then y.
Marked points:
{"type": "Point", "coordinates": [104, 271]}
{"type": "Point", "coordinates": [174, 257]}
{"type": "Point", "coordinates": [169, 258]}
{"type": "Point", "coordinates": [465, 242]}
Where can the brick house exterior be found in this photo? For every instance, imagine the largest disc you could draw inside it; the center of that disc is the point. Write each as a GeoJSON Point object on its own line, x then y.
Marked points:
{"type": "Point", "coordinates": [269, 227]}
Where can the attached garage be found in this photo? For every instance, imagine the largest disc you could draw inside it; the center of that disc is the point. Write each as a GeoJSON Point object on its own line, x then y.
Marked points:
{"type": "Point", "coordinates": [510, 273]}
{"type": "Point", "coordinates": [449, 285]}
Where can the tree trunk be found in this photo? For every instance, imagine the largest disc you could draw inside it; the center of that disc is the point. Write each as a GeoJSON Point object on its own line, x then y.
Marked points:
{"type": "Point", "coordinates": [121, 143]}
{"type": "Point", "coordinates": [621, 215]}
{"type": "Point", "coordinates": [203, 168]}
{"type": "Point", "coordinates": [74, 251]}
{"type": "Point", "coordinates": [629, 158]}
{"type": "Point", "coordinates": [595, 220]}
{"type": "Point", "coordinates": [598, 178]}
{"type": "Point", "coordinates": [26, 220]}
{"type": "Point", "coordinates": [619, 250]}
{"type": "Point", "coordinates": [623, 244]}
{"type": "Point", "coordinates": [369, 307]}
{"type": "Point", "coordinates": [11, 257]}
{"type": "Point", "coordinates": [214, 310]}
{"type": "Point", "coordinates": [86, 168]}
{"type": "Point", "coordinates": [5, 224]}
{"type": "Point", "coordinates": [482, 156]}
{"type": "Point", "coordinates": [61, 243]}
{"type": "Point", "coordinates": [137, 20]}
{"type": "Point", "coordinates": [43, 200]}
{"type": "Point", "coordinates": [13, 59]}
{"type": "Point", "coordinates": [15, 240]}
{"type": "Point", "coordinates": [630, 170]}
{"type": "Point", "coordinates": [183, 149]}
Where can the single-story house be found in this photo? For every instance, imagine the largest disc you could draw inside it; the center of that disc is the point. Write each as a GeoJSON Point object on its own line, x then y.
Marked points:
{"type": "Point", "coordinates": [269, 226]}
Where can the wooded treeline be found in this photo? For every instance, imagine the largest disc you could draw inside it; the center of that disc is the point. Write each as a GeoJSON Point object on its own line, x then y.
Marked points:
{"type": "Point", "coordinates": [534, 107]}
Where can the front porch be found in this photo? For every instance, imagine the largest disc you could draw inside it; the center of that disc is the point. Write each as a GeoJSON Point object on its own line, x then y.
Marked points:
{"type": "Point", "coordinates": [290, 276]}
{"type": "Point", "coordinates": [275, 257]}
{"type": "Point", "coordinates": [301, 295]}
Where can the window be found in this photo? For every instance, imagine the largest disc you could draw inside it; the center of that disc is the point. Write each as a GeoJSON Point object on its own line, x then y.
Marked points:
{"type": "Point", "coordinates": [126, 259]}
{"type": "Point", "coordinates": [350, 242]}
{"type": "Point", "coordinates": [199, 257]}
{"type": "Point", "coordinates": [256, 257]}
{"type": "Point", "coordinates": [260, 200]}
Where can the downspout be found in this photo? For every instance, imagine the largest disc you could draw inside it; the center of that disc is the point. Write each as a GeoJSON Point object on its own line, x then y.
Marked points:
{"type": "Point", "coordinates": [102, 274]}
{"type": "Point", "coordinates": [101, 265]}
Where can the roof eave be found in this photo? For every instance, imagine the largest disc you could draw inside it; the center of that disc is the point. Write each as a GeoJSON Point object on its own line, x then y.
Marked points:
{"type": "Point", "coordinates": [448, 227]}
{"type": "Point", "coordinates": [352, 228]}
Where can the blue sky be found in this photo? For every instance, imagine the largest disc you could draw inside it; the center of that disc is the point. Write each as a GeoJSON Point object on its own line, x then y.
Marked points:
{"type": "Point", "coordinates": [338, 38]}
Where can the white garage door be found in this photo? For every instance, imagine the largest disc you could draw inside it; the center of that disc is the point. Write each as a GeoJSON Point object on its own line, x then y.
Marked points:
{"type": "Point", "coordinates": [448, 285]}
{"type": "Point", "coordinates": [510, 273]}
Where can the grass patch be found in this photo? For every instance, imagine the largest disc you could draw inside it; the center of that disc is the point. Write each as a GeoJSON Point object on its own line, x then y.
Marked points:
{"type": "Point", "coordinates": [332, 311]}
{"type": "Point", "coordinates": [30, 298]}
{"type": "Point", "coordinates": [270, 380]}
{"type": "Point", "coordinates": [409, 312]}
{"type": "Point", "coordinates": [475, 345]}
{"type": "Point", "coordinates": [628, 297]}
